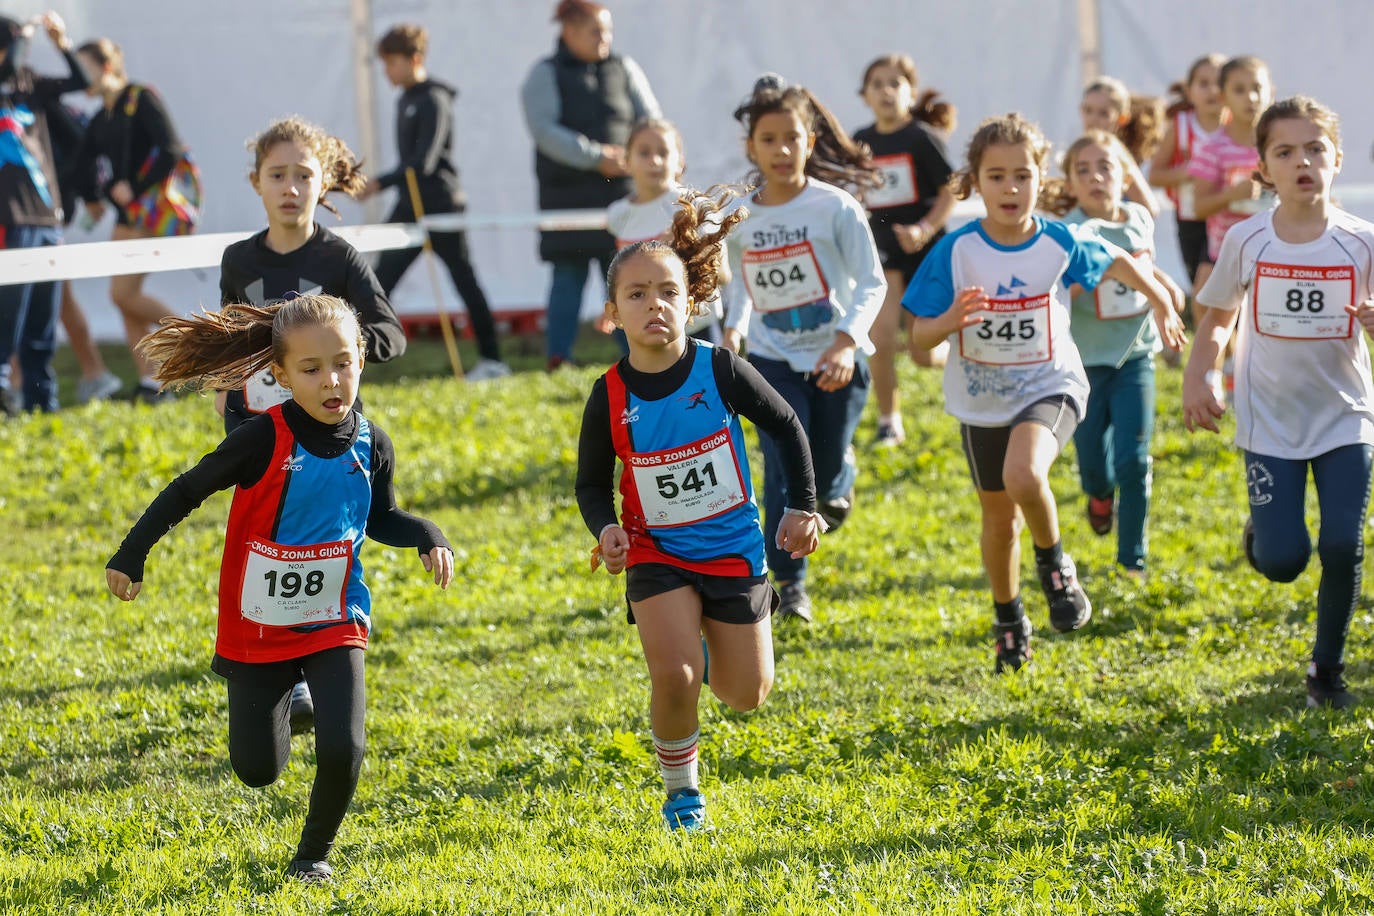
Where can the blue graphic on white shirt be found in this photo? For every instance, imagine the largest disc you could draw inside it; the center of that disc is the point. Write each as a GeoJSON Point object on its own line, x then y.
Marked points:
{"type": "Point", "coordinates": [801, 319]}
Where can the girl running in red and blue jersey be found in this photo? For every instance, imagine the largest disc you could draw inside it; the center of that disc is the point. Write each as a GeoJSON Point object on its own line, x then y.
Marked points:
{"type": "Point", "coordinates": [689, 539]}
{"type": "Point", "coordinates": [312, 478]}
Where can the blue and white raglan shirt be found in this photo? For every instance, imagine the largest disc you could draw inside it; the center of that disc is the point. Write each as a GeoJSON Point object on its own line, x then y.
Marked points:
{"type": "Point", "coordinates": [801, 272]}
{"type": "Point", "coordinates": [1021, 352]}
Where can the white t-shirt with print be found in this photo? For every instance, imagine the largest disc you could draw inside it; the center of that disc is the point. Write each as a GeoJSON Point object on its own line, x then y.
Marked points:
{"type": "Point", "coordinates": [1301, 365]}
{"type": "Point", "coordinates": [801, 272]}
{"type": "Point", "coordinates": [1021, 352]}
{"type": "Point", "coordinates": [630, 222]}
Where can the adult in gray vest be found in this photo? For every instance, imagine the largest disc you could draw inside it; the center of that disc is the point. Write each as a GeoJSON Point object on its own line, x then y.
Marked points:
{"type": "Point", "coordinates": [579, 105]}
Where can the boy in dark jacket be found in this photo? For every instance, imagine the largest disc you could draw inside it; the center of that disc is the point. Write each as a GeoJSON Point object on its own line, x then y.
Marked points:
{"type": "Point", "coordinates": [424, 139]}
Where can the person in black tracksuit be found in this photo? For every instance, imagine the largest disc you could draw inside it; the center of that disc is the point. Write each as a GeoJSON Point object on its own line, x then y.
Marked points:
{"type": "Point", "coordinates": [295, 165]}
{"type": "Point", "coordinates": [424, 140]}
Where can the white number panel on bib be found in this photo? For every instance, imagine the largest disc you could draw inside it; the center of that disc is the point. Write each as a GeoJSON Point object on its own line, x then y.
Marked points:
{"type": "Point", "coordinates": [1304, 303]}
{"type": "Point", "coordinates": [688, 484]}
{"type": "Point", "coordinates": [288, 586]}
{"type": "Point", "coordinates": [1013, 332]}
{"type": "Point", "coordinates": [899, 182]}
{"type": "Point", "coordinates": [784, 278]}
{"type": "Point", "coordinates": [1187, 201]}
{"type": "Point", "coordinates": [1116, 300]}
{"type": "Point", "coordinates": [262, 392]}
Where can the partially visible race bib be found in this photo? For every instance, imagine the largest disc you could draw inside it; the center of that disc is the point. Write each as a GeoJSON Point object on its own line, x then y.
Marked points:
{"type": "Point", "coordinates": [1250, 205]}
{"type": "Point", "coordinates": [784, 278]}
{"type": "Point", "coordinates": [262, 392]}
{"type": "Point", "coordinates": [288, 586]}
{"type": "Point", "coordinates": [1187, 201]}
{"type": "Point", "coordinates": [1013, 332]}
{"type": "Point", "coordinates": [1304, 303]}
{"type": "Point", "coordinates": [688, 484]}
{"type": "Point", "coordinates": [1115, 300]}
{"type": "Point", "coordinates": [899, 182]}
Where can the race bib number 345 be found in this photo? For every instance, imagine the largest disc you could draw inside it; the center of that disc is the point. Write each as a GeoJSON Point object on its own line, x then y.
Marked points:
{"type": "Point", "coordinates": [1304, 303]}
{"type": "Point", "coordinates": [1012, 332]}
{"type": "Point", "coordinates": [688, 484]}
{"type": "Point", "coordinates": [289, 585]}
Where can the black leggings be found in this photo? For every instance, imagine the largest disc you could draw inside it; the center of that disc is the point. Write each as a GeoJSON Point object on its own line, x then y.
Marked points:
{"type": "Point", "coordinates": [260, 734]}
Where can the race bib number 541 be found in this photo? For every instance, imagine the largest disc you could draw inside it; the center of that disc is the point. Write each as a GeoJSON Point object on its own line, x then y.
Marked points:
{"type": "Point", "coordinates": [1304, 303]}
{"type": "Point", "coordinates": [289, 585]}
{"type": "Point", "coordinates": [1012, 332]}
{"type": "Point", "coordinates": [688, 484]}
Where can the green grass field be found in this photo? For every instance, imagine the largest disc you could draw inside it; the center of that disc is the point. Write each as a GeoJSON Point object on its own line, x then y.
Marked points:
{"type": "Point", "coordinates": [1160, 761]}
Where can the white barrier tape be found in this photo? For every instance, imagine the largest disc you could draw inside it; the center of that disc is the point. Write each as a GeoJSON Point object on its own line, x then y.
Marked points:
{"type": "Point", "coordinates": [140, 256]}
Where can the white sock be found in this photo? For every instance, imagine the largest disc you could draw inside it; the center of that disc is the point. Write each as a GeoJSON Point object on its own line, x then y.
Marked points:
{"type": "Point", "coordinates": [147, 381]}
{"type": "Point", "coordinates": [677, 761]}
{"type": "Point", "coordinates": [893, 420]}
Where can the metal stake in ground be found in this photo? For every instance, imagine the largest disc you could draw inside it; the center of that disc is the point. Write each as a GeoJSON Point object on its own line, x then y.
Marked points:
{"type": "Point", "coordinates": [429, 257]}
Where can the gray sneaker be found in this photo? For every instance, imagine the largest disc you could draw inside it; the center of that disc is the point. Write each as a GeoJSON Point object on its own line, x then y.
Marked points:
{"type": "Point", "coordinates": [103, 386]}
{"type": "Point", "coordinates": [487, 369]}
{"type": "Point", "coordinates": [795, 601]}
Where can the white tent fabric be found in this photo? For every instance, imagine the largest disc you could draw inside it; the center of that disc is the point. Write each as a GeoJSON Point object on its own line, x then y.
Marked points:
{"type": "Point", "coordinates": [226, 70]}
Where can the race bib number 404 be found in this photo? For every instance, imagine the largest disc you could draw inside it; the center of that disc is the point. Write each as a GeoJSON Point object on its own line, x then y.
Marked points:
{"type": "Point", "coordinates": [1012, 332]}
{"type": "Point", "coordinates": [899, 182]}
{"type": "Point", "coordinates": [784, 278]}
{"type": "Point", "coordinates": [262, 392]}
{"type": "Point", "coordinates": [1304, 303]}
{"type": "Point", "coordinates": [688, 484]}
{"type": "Point", "coordinates": [289, 586]}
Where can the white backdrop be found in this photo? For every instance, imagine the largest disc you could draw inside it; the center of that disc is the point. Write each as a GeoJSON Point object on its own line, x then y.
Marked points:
{"type": "Point", "coordinates": [225, 70]}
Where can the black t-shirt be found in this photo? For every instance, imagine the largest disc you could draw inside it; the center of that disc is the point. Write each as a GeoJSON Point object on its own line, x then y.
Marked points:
{"type": "Point", "coordinates": [251, 272]}
{"type": "Point", "coordinates": [929, 162]}
{"type": "Point", "coordinates": [744, 392]}
{"type": "Point", "coordinates": [243, 458]}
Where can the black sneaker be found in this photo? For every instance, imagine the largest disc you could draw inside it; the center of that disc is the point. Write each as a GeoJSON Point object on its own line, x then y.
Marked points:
{"type": "Point", "coordinates": [795, 601]}
{"type": "Point", "coordinates": [1069, 606]}
{"type": "Point", "coordinates": [835, 511]}
{"type": "Point", "coordinates": [1013, 645]}
{"type": "Point", "coordinates": [302, 709]}
{"type": "Point", "coordinates": [310, 871]}
{"type": "Point", "coordinates": [1326, 688]}
{"type": "Point", "coordinates": [1247, 543]}
{"type": "Point", "coordinates": [9, 404]}
{"type": "Point", "coordinates": [150, 394]}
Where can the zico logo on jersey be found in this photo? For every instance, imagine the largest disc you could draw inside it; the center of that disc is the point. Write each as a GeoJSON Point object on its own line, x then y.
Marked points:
{"type": "Point", "coordinates": [292, 463]}
{"type": "Point", "coordinates": [629, 415]}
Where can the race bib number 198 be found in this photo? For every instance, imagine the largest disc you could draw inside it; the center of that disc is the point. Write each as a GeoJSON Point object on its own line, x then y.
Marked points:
{"type": "Point", "coordinates": [289, 585]}
{"type": "Point", "coordinates": [1304, 303]}
{"type": "Point", "coordinates": [1013, 332]}
{"type": "Point", "coordinates": [688, 484]}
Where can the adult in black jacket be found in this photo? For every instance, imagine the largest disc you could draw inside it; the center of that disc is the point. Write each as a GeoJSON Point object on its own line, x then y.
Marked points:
{"type": "Point", "coordinates": [580, 104]}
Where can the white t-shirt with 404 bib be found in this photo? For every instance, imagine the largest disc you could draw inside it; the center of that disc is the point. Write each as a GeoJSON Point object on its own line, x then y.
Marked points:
{"type": "Point", "coordinates": [1302, 366]}
{"type": "Point", "coordinates": [802, 272]}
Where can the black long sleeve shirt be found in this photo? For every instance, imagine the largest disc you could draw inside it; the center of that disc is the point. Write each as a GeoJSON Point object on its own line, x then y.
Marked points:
{"type": "Point", "coordinates": [127, 140]}
{"type": "Point", "coordinates": [744, 392]}
{"type": "Point", "coordinates": [22, 184]}
{"type": "Point", "coordinates": [424, 140]}
{"type": "Point", "coordinates": [243, 458]}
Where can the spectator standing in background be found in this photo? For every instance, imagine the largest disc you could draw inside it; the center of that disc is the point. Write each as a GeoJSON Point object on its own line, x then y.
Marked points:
{"type": "Point", "coordinates": [30, 209]}
{"type": "Point", "coordinates": [424, 141]}
{"type": "Point", "coordinates": [580, 104]}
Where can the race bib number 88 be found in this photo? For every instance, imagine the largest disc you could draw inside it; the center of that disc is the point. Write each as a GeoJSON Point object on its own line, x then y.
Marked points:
{"type": "Point", "coordinates": [1304, 303]}
{"type": "Point", "coordinates": [688, 484]}
{"type": "Point", "coordinates": [289, 585]}
{"type": "Point", "coordinates": [1013, 332]}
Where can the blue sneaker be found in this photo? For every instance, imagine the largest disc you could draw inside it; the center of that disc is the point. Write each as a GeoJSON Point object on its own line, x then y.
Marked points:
{"type": "Point", "coordinates": [685, 809]}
